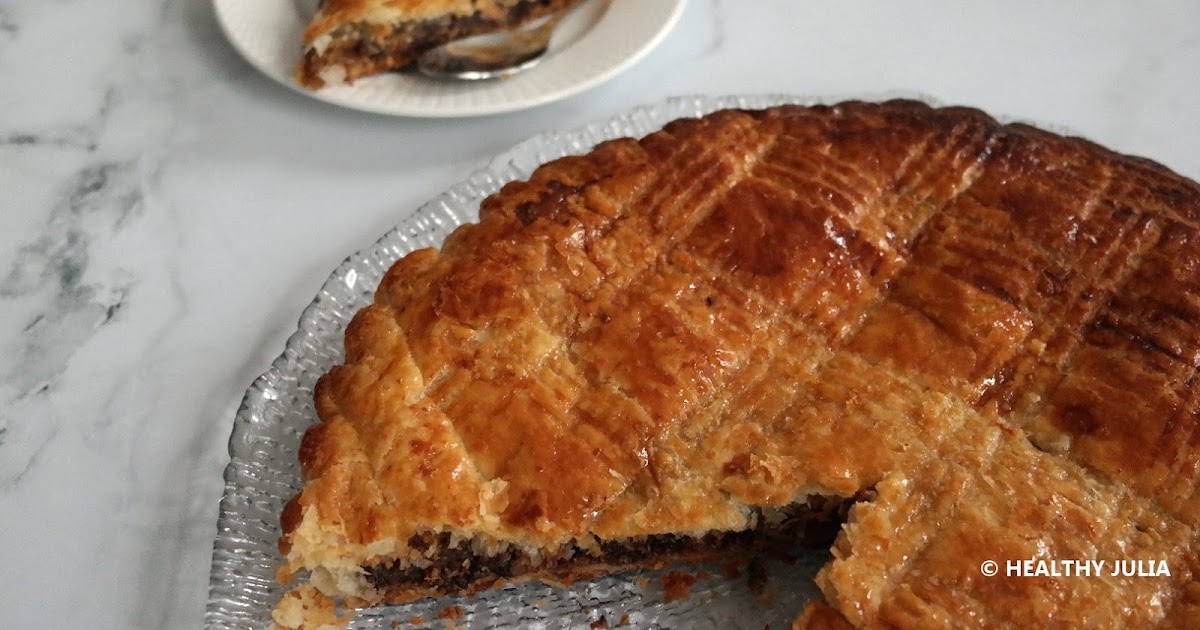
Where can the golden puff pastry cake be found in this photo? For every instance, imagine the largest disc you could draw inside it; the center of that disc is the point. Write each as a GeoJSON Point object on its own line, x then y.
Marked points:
{"type": "Point", "coordinates": [350, 39]}
{"type": "Point", "coordinates": [959, 340]}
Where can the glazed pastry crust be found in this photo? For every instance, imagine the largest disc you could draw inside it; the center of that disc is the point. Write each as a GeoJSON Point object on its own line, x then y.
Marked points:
{"type": "Point", "coordinates": [349, 39]}
{"type": "Point", "coordinates": [994, 327]}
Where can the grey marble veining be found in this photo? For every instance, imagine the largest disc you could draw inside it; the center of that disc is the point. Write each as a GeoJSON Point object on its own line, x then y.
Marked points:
{"type": "Point", "coordinates": [84, 135]}
{"type": "Point", "coordinates": [53, 298]}
{"type": "Point", "coordinates": [166, 213]}
{"type": "Point", "coordinates": [97, 200]}
{"type": "Point", "coordinates": [8, 24]}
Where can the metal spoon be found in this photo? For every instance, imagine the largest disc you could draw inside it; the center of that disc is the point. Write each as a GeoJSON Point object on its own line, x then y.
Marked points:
{"type": "Point", "coordinates": [491, 56]}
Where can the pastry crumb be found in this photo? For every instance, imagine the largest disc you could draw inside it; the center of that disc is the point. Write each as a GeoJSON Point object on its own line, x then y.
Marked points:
{"type": "Point", "coordinates": [756, 577]}
{"type": "Point", "coordinates": [306, 608]}
{"type": "Point", "coordinates": [732, 569]}
{"type": "Point", "coordinates": [451, 616]}
{"type": "Point", "coordinates": [675, 586]}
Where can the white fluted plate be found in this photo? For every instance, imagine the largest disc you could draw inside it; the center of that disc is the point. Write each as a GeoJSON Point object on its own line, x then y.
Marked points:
{"type": "Point", "coordinates": [594, 43]}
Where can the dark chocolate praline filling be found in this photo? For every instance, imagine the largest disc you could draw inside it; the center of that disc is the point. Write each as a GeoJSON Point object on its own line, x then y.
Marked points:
{"type": "Point", "coordinates": [814, 524]}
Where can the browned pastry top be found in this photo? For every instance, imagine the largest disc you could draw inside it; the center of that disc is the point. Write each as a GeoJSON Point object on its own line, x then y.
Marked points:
{"type": "Point", "coordinates": [994, 327]}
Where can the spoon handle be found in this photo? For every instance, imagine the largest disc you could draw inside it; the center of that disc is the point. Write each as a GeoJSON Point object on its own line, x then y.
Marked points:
{"type": "Point", "coordinates": [496, 55]}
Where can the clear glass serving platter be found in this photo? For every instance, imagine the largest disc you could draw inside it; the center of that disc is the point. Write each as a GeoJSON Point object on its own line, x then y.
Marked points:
{"type": "Point", "coordinates": [263, 472]}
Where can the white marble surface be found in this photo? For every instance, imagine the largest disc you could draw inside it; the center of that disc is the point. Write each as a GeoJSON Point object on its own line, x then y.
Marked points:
{"type": "Point", "coordinates": [166, 213]}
